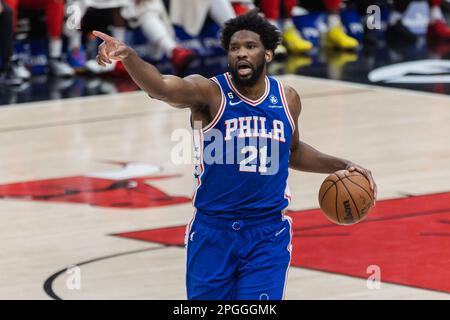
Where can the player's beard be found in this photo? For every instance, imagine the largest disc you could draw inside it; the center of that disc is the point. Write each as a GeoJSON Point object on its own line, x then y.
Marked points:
{"type": "Point", "coordinates": [256, 73]}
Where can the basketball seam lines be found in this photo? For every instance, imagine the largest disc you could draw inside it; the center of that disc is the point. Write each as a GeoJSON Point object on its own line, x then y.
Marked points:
{"type": "Point", "coordinates": [333, 184]}
{"type": "Point", "coordinates": [357, 210]}
{"type": "Point", "coordinates": [371, 198]}
{"type": "Point", "coordinates": [341, 180]}
{"type": "Point", "coordinates": [337, 190]}
{"type": "Point", "coordinates": [348, 177]}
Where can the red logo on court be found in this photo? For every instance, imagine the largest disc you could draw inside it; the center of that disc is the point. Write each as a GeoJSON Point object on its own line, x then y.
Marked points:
{"type": "Point", "coordinates": [408, 238]}
{"type": "Point", "coordinates": [128, 187]}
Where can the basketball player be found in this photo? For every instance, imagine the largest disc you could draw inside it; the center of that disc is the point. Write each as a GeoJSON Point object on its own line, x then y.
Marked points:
{"type": "Point", "coordinates": [239, 242]}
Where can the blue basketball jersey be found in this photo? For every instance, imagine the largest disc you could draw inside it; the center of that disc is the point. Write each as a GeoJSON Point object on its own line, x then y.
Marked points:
{"type": "Point", "coordinates": [242, 157]}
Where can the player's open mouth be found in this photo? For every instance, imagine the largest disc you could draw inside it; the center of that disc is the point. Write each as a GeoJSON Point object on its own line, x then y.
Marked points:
{"type": "Point", "coordinates": [244, 69]}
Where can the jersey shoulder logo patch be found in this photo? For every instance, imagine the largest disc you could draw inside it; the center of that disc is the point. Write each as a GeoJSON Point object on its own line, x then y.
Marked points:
{"type": "Point", "coordinates": [273, 99]}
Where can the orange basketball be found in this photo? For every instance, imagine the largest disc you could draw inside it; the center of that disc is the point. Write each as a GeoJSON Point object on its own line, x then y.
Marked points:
{"type": "Point", "coordinates": [345, 197]}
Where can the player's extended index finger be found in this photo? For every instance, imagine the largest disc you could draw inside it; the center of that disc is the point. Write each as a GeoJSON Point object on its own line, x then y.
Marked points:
{"type": "Point", "coordinates": [102, 35]}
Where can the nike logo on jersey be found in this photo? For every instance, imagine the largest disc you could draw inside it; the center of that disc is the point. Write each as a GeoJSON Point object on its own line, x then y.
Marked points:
{"type": "Point", "coordinates": [234, 103]}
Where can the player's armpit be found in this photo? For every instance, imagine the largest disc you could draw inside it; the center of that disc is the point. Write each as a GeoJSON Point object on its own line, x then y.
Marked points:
{"type": "Point", "coordinates": [295, 108]}
{"type": "Point", "coordinates": [294, 103]}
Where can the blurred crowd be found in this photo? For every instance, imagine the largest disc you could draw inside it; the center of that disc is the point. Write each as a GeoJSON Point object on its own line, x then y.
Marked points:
{"type": "Point", "coordinates": [71, 46]}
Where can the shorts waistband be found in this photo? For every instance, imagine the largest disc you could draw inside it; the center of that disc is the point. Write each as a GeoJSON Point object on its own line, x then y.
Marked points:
{"type": "Point", "coordinates": [236, 224]}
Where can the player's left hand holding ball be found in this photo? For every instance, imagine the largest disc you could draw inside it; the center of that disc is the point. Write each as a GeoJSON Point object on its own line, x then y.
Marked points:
{"type": "Point", "coordinates": [368, 174]}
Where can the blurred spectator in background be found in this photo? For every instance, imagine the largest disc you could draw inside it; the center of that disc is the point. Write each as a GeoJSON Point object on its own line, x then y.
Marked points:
{"type": "Point", "coordinates": [115, 16]}
{"type": "Point", "coordinates": [292, 39]}
{"type": "Point", "coordinates": [54, 12]}
{"type": "Point", "coordinates": [94, 13]}
{"type": "Point", "coordinates": [438, 29]}
{"type": "Point", "coordinates": [242, 6]}
{"type": "Point", "coordinates": [370, 37]}
{"type": "Point", "coordinates": [7, 74]}
{"type": "Point", "coordinates": [397, 32]}
{"type": "Point", "coordinates": [335, 36]}
{"type": "Point", "coordinates": [191, 16]}
{"type": "Point", "coordinates": [150, 15]}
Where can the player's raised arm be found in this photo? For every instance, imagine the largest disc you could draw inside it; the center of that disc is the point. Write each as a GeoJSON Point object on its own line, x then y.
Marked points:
{"type": "Point", "coordinates": [306, 158]}
{"type": "Point", "coordinates": [193, 91]}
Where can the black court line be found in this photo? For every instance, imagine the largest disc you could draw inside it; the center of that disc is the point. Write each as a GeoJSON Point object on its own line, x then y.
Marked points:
{"type": "Point", "coordinates": [48, 284]}
{"type": "Point", "coordinates": [150, 113]}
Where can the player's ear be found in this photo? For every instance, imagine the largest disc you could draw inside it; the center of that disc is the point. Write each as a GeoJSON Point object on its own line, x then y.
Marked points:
{"type": "Point", "coordinates": [268, 56]}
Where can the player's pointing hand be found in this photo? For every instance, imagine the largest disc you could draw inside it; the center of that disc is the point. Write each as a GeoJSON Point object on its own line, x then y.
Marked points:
{"type": "Point", "coordinates": [110, 49]}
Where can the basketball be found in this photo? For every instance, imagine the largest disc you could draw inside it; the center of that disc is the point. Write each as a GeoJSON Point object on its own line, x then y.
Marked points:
{"type": "Point", "coordinates": [345, 197]}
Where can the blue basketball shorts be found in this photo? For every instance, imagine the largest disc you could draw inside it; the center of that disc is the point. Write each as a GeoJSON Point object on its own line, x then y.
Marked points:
{"type": "Point", "coordinates": [238, 259]}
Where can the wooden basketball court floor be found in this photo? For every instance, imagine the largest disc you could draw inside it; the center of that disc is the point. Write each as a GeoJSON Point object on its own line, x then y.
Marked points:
{"type": "Point", "coordinates": [402, 136]}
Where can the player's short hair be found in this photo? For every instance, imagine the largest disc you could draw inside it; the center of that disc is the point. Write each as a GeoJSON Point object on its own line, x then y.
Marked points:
{"type": "Point", "coordinates": [269, 34]}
